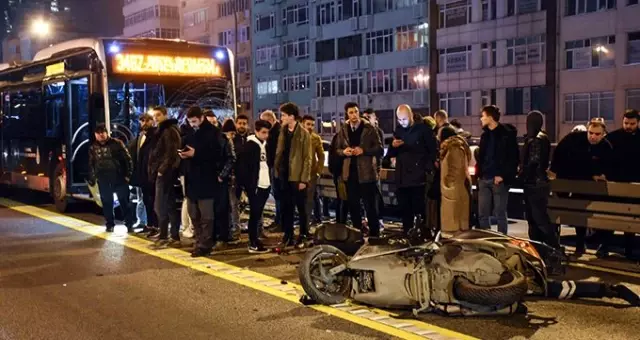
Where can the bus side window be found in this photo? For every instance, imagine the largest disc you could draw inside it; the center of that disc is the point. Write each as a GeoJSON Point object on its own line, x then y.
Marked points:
{"type": "Point", "coordinates": [54, 106]}
{"type": "Point", "coordinates": [26, 108]}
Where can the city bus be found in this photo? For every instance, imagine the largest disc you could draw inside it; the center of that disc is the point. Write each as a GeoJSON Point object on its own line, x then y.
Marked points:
{"type": "Point", "coordinates": [51, 105]}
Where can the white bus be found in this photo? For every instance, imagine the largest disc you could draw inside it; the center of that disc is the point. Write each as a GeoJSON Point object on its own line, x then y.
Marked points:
{"type": "Point", "coordinates": [51, 105]}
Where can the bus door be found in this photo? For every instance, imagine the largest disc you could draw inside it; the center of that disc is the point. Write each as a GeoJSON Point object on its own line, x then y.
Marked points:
{"type": "Point", "coordinates": [79, 138]}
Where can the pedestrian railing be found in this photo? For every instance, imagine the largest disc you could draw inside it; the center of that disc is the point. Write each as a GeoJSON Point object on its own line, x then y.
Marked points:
{"type": "Point", "coordinates": [597, 205]}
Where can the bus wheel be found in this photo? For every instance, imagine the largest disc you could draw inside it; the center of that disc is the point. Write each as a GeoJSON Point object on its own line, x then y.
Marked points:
{"type": "Point", "coordinates": [58, 188]}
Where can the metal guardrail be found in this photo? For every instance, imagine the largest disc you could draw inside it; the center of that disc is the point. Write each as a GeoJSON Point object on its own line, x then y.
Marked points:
{"type": "Point", "coordinates": [597, 205]}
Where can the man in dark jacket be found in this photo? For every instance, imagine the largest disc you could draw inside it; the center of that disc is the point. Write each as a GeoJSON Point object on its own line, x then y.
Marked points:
{"type": "Point", "coordinates": [272, 144]}
{"type": "Point", "coordinates": [139, 149]}
{"type": "Point", "coordinates": [242, 132]}
{"type": "Point", "coordinates": [584, 156]}
{"type": "Point", "coordinates": [223, 234]}
{"type": "Point", "coordinates": [164, 163]}
{"type": "Point", "coordinates": [201, 153]}
{"type": "Point", "coordinates": [533, 173]}
{"type": "Point", "coordinates": [254, 177]}
{"type": "Point", "coordinates": [358, 143]}
{"type": "Point", "coordinates": [497, 167]}
{"type": "Point", "coordinates": [293, 169]}
{"type": "Point", "coordinates": [626, 154]}
{"type": "Point", "coordinates": [415, 149]}
{"type": "Point", "coordinates": [111, 166]}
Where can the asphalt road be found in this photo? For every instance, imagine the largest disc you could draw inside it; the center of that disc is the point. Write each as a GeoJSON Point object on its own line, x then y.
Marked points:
{"type": "Point", "coordinates": [57, 283]}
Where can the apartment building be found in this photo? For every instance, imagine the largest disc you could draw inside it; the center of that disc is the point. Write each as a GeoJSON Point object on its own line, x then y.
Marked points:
{"type": "Point", "coordinates": [494, 52]}
{"type": "Point", "coordinates": [323, 54]}
{"type": "Point", "coordinates": [152, 18]}
{"type": "Point", "coordinates": [225, 23]}
{"type": "Point", "coordinates": [599, 63]}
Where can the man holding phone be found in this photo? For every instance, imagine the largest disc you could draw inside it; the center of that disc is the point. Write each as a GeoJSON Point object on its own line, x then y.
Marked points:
{"type": "Point", "coordinates": [201, 153]}
{"type": "Point", "coordinates": [414, 147]}
{"type": "Point", "coordinates": [360, 146]}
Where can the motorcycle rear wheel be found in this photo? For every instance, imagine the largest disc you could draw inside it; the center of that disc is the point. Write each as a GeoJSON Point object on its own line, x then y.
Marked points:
{"type": "Point", "coordinates": [500, 295]}
{"type": "Point", "coordinates": [311, 270]}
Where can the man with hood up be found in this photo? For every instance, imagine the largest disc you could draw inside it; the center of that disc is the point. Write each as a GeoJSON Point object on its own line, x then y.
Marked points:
{"type": "Point", "coordinates": [533, 173]}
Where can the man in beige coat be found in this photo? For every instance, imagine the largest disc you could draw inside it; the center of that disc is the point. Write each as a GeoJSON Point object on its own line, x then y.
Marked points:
{"type": "Point", "coordinates": [455, 181]}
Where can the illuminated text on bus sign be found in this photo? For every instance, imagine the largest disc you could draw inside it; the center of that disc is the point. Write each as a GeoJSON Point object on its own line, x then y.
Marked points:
{"type": "Point", "coordinates": [165, 65]}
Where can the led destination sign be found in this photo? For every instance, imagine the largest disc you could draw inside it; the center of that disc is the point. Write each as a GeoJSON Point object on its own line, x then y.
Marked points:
{"type": "Point", "coordinates": [165, 65]}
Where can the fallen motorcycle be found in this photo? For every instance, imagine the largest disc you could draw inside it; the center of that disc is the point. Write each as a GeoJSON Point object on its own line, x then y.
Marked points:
{"type": "Point", "coordinates": [470, 275]}
{"type": "Point", "coordinates": [477, 272]}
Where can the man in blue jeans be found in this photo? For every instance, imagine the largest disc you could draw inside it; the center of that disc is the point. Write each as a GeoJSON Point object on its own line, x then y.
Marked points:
{"type": "Point", "coordinates": [497, 165]}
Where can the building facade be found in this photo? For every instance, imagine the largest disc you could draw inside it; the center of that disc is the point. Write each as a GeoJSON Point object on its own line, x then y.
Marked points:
{"type": "Point", "coordinates": [323, 54]}
{"type": "Point", "coordinates": [224, 23]}
{"type": "Point", "coordinates": [599, 62]}
{"type": "Point", "coordinates": [493, 52]}
{"type": "Point", "coordinates": [152, 18]}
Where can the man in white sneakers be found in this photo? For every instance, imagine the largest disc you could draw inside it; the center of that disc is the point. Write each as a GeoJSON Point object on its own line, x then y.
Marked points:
{"type": "Point", "coordinates": [254, 177]}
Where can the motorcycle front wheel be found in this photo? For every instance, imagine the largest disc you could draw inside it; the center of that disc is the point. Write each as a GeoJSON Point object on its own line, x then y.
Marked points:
{"type": "Point", "coordinates": [319, 284]}
{"type": "Point", "coordinates": [511, 289]}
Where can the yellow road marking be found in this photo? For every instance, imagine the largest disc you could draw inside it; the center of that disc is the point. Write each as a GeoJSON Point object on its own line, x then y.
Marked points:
{"type": "Point", "coordinates": [379, 320]}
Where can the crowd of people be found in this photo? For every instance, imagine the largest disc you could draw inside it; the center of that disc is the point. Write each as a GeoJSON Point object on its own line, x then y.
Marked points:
{"type": "Point", "coordinates": [219, 162]}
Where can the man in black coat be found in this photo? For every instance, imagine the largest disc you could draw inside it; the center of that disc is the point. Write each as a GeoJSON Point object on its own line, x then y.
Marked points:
{"type": "Point", "coordinates": [140, 148]}
{"type": "Point", "coordinates": [626, 153]}
{"type": "Point", "coordinates": [111, 166]}
{"type": "Point", "coordinates": [201, 153]}
{"type": "Point", "coordinates": [497, 166]}
{"type": "Point", "coordinates": [164, 164]}
{"type": "Point", "coordinates": [585, 156]}
{"type": "Point", "coordinates": [415, 149]}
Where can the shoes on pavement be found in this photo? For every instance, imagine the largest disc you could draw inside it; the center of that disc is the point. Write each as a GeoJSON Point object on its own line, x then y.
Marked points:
{"type": "Point", "coordinates": [109, 229]}
{"type": "Point", "coordinates": [624, 293]}
{"type": "Point", "coordinates": [303, 241]}
{"type": "Point", "coordinates": [220, 246]}
{"type": "Point", "coordinates": [258, 248]}
{"type": "Point", "coordinates": [286, 242]}
{"type": "Point", "coordinates": [161, 242]}
{"type": "Point", "coordinates": [174, 243]}
{"type": "Point", "coordinates": [199, 252]}
{"type": "Point", "coordinates": [154, 234]}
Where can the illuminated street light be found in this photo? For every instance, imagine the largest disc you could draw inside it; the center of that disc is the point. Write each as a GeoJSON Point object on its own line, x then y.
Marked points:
{"type": "Point", "coordinates": [41, 28]}
{"type": "Point", "coordinates": [421, 79]}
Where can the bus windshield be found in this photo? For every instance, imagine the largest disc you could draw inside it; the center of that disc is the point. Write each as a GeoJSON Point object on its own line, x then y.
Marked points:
{"type": "Point", "coordinates": [176, 96]}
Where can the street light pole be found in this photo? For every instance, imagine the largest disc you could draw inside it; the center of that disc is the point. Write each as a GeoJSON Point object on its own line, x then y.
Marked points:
{"type": "Point", "coordinates": [434, 56]}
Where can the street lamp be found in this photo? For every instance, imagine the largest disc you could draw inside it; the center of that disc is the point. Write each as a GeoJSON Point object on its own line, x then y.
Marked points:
{"type": "Point", "coordinates": [41, 28]}
{"type": "Point", "coordinates": [421, 79]}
